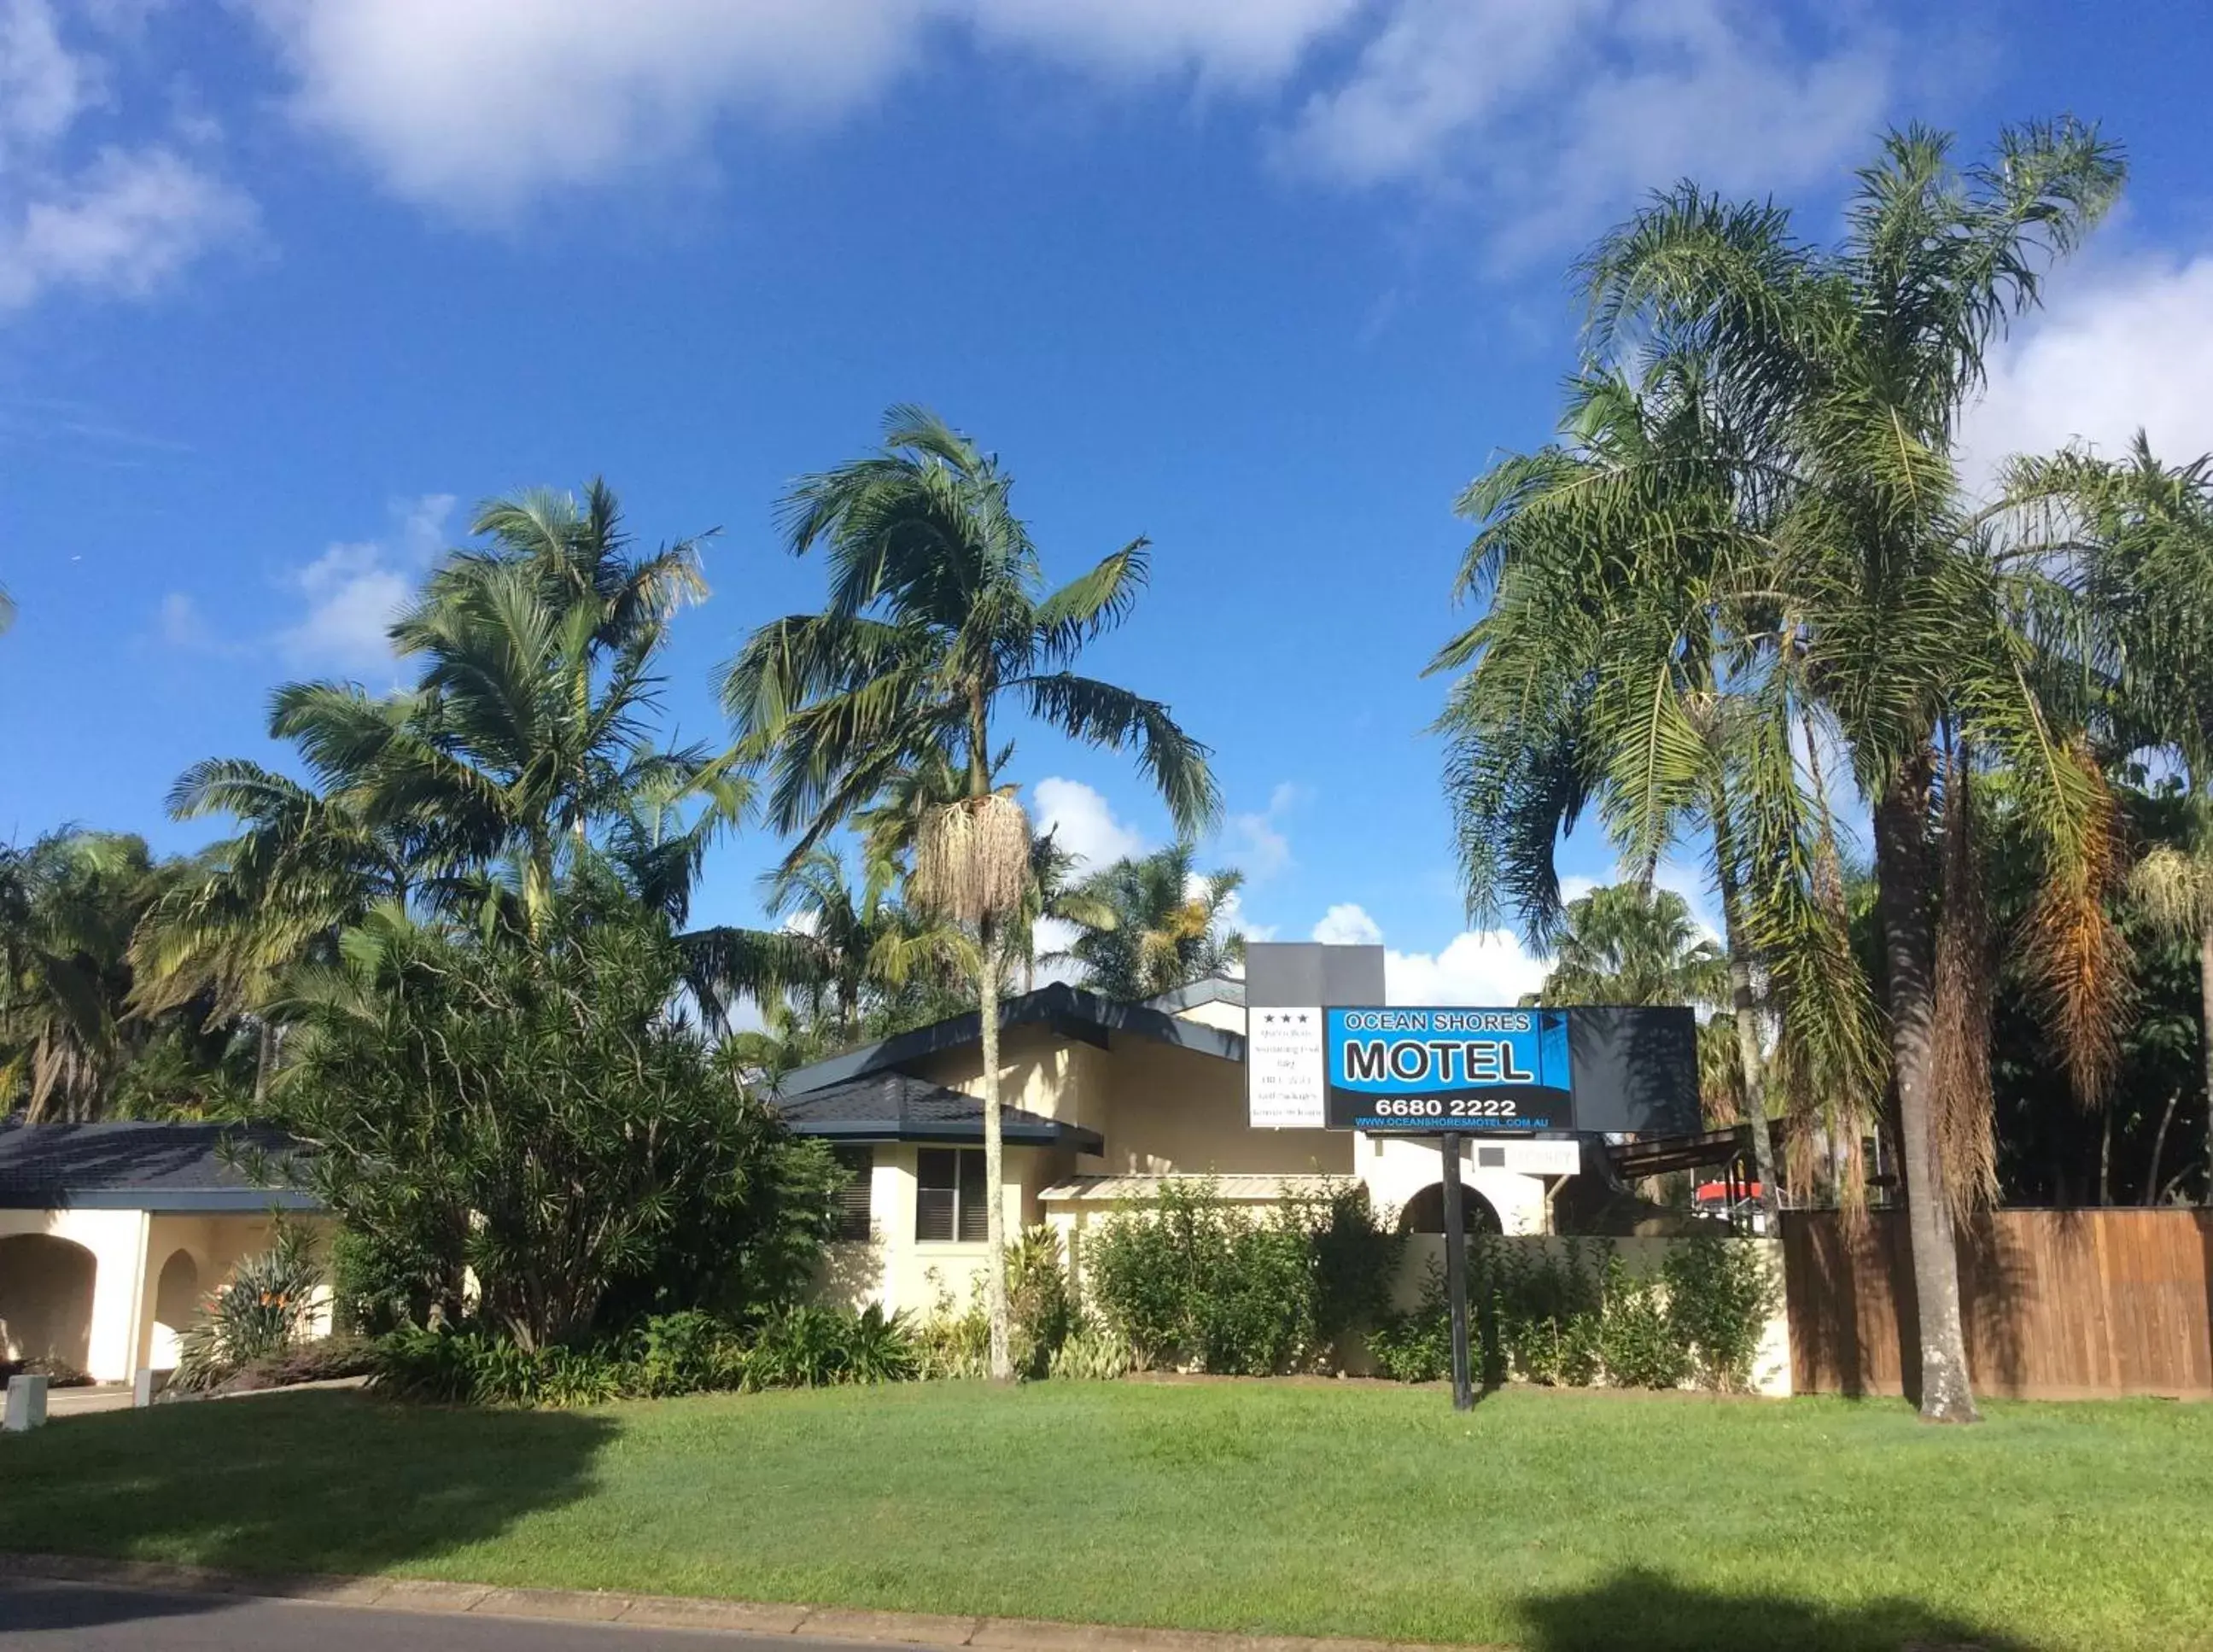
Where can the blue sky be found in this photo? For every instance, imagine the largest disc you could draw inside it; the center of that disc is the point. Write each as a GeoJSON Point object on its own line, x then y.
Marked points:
{"type": "Point", "coordinates": [286, 288]}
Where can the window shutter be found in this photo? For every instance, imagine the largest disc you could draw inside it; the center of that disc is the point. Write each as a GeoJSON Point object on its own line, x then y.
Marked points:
{"type": "Point", "coordinates": [936, 1189]}
{"type": "Point", "coordinates": [975, 1211]}
{"type": "Point", "coordinates": [853, 1198]}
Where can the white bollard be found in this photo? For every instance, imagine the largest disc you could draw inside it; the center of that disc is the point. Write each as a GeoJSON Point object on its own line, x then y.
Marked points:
{"type": "Point", "coordinates": [26, 1404]}
{"type": "Point", "coordinates": [142, 1388]}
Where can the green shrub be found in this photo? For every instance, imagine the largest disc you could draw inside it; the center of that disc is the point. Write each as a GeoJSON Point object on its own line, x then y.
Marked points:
{"type": "Point", "coordinates": [808, 1347]}
{"type": "Point", "coordinates": [1573, 1315]}
{"type": "Point", "coordinates": [1041, 1307]}
{"type": "Point", "coordinates": [954, 1343]}
{"type": "Point", "coordinates": [1189, 1280]}
{"type": "Point", "coordinates": [683, 1353]}
{"type": "Point", "coordinates": [1637, 1345]}
{"type": "Point", "coordinates": [1720, 1293]}
{"type": "Point", "coordinates": [264, 1309]}
{"type": "Point", "coordinates": [528, 1109]}
{"type": "Point", "coordinates": [1416, 1346]}
{"type": "Point", "coordinates": [1092, 1352]}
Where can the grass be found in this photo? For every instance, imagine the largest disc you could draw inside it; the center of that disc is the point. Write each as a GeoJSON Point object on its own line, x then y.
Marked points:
{"type": "Point", "coordinates": [1554, 1520]}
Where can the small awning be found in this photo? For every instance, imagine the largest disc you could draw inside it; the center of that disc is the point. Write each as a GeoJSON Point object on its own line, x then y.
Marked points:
{"type": "Point", "coordinates": [900, 1107]}
{"type": "Point", "coordinates": [1241, 1189]}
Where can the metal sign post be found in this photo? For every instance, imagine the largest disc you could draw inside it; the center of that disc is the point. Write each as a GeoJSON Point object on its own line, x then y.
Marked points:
{"type": "Point", "coordinates": [1456, 1273]}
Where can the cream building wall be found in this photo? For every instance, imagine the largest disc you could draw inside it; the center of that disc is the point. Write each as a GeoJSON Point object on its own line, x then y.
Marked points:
{"type": "Point", "coordinates": [150, 1272]}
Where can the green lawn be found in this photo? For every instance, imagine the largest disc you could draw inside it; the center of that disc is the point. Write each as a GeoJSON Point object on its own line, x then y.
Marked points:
{"type": "Point", "coordinates": [1553, 1521]}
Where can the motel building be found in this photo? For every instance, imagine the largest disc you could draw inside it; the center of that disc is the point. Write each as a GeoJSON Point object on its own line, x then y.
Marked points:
{"type": "Point", "coordinates": [1102, 1102]}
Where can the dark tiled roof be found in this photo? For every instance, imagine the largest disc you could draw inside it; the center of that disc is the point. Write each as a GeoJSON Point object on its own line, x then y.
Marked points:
{"type": "Point", "coordinates": [140, 1166]}
{"type": "Point", "coordinates": [1069, 1011]}
{"type": "Point", "coordinates": [898, 1107]}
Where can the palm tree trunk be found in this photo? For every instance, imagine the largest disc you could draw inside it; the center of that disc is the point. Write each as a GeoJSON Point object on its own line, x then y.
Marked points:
{"type": "Point", "coordinates": [1902, 899]}
{"type": "Point", "coordinates": [2159, 1146]}
{"type": "Point", "coordinates": [1742, 1012]}
{"type": "Point", "coordinates": [264, 1062]}
{"type": "Point", "coordinates": [995, 1212]}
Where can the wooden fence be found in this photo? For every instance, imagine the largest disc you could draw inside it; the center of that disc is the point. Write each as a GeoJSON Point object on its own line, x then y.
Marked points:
{"type": "Point", "coordinates": [2059, 1304]}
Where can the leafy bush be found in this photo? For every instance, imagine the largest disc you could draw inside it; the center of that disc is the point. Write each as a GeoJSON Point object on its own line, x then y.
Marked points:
{"type": "Point", "coordinates": [1553, 1315]}
{"type": "Point", "coordinates": [954, 1343]}
{"type": "Point", "coordinates": [1092, 1352]}
{"type": "Point", "coordinates": [1041, 1307]}
{"type": "Point", "coordinates": [1720, 1293]}
{"type": "Point", "coordinates": [1637, 1345]}
{"type": "Point", "coordinates": [808, 1347]}
{"type": "Point", "coordinates": [530, 1110]}
{"type": "Point", "coordinates": [683, 1353]}
{"type": "Point", "coordinates": [1189, 1280]}
{"type": "Point", "coordinates": [264, 1309]}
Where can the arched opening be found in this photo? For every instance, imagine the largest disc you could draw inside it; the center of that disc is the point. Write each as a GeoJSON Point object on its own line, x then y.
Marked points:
{"type": "Point", "coordinates": [1425, 1212]}
{"type": "Point", "coordinates": [45, 1302]}
{"type": "Point", "coordinates": [176, 1303]}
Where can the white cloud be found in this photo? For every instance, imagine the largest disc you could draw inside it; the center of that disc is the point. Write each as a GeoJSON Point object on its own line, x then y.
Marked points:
{"type": "Point", "coordinates": [1557, 112]}
{"type": "Point", "coordinates": [353, 591]}
{"type": "Point", "coordinates": [480, 105]}
{"type": "Point", "coordinates": [1561, 113]}
{"type": "Point", "coordinates": [2121, 346]}
{"type": "Point", "coordinates": [1081, 823]}
{"type": "Point", "coordinates": [1347, 924]}
{"type": "Point", "coordinates": [1255, 842]}
{"type": "Point", "coordinates": [99, 217]}
{"type": "Point", "coordinates": [1477, 966]}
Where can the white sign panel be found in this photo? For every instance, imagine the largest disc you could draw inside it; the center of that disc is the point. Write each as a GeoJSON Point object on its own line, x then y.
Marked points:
{"type": "Point", "coordinates": [1530, 1158]}
{"type": "Point", "coordinates": [1286, 1085]}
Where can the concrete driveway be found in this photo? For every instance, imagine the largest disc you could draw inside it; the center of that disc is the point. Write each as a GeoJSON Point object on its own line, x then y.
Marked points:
{"type": "Point", "coordinates": [38, 1616]}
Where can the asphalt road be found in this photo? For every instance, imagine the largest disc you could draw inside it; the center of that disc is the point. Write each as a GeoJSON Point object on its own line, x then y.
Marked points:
{"type": "Point", "coordinates": [44, 1617]}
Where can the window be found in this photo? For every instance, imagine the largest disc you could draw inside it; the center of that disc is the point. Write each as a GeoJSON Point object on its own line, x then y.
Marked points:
{"type": "Point", "coordinates": [853, 1198]}
{"type": "Point", "coordinates": [949, 1201]}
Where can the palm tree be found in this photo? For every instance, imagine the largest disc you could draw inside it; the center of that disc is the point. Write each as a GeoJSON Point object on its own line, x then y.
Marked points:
{"type": "Point", "coordinates": [1167, 927]}
{"type": "Point", "coordinates": [851, 946]}
{"type": "Point", "coordinates": [524, 747]}
{"type": "Point", "coordinates": [1630, 943]}
{"type": "Point", "coordinates": [1852, 590]}
{"type": "Point", "coordinates": [68, 902]}
{"type": "Point", "coordinates": [2149, 532]}
{"type": "Point", "coordinates": [938, 617]}
{"type": "Point", "coordinates": [1600, 677]}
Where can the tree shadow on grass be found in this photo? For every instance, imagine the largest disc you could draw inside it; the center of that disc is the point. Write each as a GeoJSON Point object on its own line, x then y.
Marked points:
{"type": "Point", "coordinates": [286, 1484]}
{"type": "Point", "coordinates": [1651, 1613]}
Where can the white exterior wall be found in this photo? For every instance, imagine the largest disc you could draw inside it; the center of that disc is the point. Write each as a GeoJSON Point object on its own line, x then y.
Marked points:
{"type": "Point", "coordinates": [1396, 1169]}
{"type": "Point", "coordinates": [121, 1292]}
{"type": "Point", "coordinates": [896, 1271]}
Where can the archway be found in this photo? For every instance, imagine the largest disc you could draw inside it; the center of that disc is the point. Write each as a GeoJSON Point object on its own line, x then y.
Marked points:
{"type": "Point", "coordinates": [46, 1302]}
{"type": "Point", "coordinates": [176, 1303]}
{"type": "Point", "coordinates": [1424, 1213]}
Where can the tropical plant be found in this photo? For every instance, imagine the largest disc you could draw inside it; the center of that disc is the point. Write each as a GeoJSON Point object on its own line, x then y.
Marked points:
{"type": "Point", "coordinates": [937, 617]}
{"type": "Point", "coordinates": [1632, 943]}
{"type": "Point", "coordinates": [535, 1112]}
{"type": "Point", "coordinates": [75, 1042]}
{"type": "Point", "coordinates": [1167, 924]}
{"type": "Point", "coordinates": [1841, 584]}
{"type": "Point", "coordinates": [2147, 531]}
{"type": "Point", "coordinates": [267, 1306]}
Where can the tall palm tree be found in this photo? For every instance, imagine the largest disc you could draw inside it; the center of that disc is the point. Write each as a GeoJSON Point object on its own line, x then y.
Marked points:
{"type": "Point", "coordinates": [937, 618]}
{"type": "Point", "coordinates": [1601, 677]}
{"type": "Point", "coordinates": [1167, 927]}
{"type": "Point", "coordinates": [1632, 943]}
{"type": "Point", "coordinates": [2147, 531]}
{"type": "Point", "coordinates": [68, 902]}
{"type": "Point", "coordinates": [1866, 597]}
